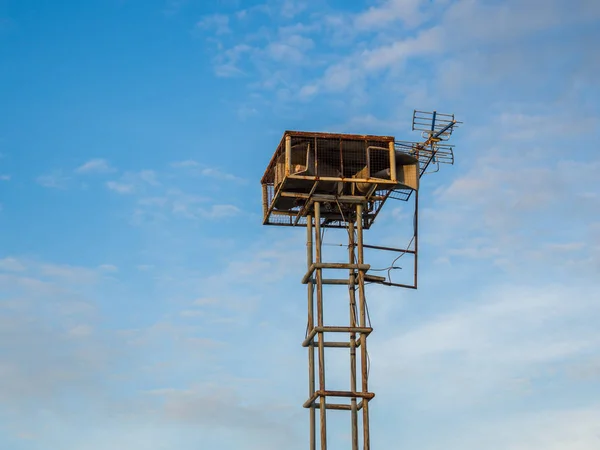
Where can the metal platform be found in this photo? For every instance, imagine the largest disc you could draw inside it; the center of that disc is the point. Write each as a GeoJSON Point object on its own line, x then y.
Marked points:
{"type": "Point", "coordinates": [336, 170]}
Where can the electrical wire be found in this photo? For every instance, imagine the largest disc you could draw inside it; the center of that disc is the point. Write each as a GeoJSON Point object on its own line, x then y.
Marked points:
{"type": "Point", "coordinates": [398, 257]}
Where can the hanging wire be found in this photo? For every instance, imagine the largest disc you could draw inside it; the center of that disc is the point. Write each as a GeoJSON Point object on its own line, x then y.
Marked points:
{"type": "Point", "coordinates": [397, 258]}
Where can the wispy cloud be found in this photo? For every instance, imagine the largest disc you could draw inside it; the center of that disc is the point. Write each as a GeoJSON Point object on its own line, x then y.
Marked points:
{"type": "Point", "coordinates": [11, 265]}
{"type": "Point", "coordinates": [96, 165]}
{"type": "Point", "coordinates": [185, 164]}
{"type": "Point", "coordinates": [5, 177]}
{"type": "Point", "coordinates": [218, 23]}
{"type": "Point", "coordinates": [80, 331]}
{"type": "Point", "coordinates": [408, 12]}
{"type": "Point", "coordinates": [220, 211]}
{"type": "Point", "coordinates": [108, 268]}
{"type": "Point", "coordinates": [174, 6]}
{"type": "Point", "coordinates": [245, 112]}
{"type": "Point", "coordinates": [216, 173]}
{"type": "Point", "coordinates": [121, 188]}
{"type": "Point", "coordinates": [54, 180]}
{"type": "Point", "coordinates": [227, 61]}
{"type": "Point", "coordinates": [133, 182]}
{"type": "Point", "coordinates": [199, 169]}
{"type": "Point", "coordinates": [291, 8]}
{"type": "Point", "coordinates": [69, 273]}
{"type": "Point", "coordinates": [178, 204]}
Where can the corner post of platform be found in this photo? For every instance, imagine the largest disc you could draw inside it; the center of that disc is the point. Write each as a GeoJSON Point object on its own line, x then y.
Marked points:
{"type": "Point", "coordinates": [309, 329]}
{"type": "Point", "coordinates": [320, 324]}
{"type": "Point", "coordinates": [363, 323]}
{"type": "Point", "coordinates": [352, 294]}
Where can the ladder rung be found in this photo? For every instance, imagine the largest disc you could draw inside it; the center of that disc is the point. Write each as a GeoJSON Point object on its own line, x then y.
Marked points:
{"type": "Point", "coordinates": [362, 330]}
{"type": "Point", "coordinates": [335, 281]}
{"type": "Point", "coordinates": [337, 406]}
{"type": "Point", "coordinates": [315, 266]}
{"type": "Point", "coordinates": [334, 344]}
{"type": "Point", "coordinates": [345, 281]}
{"type": "Point", "coordinates": [346, 394]}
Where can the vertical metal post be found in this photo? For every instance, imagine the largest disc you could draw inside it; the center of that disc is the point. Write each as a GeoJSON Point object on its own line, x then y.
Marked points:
{"type": "Point", "coordinates": [288, 154]}
{"type": "Point", "coordinates": [393, 174]}
{"type": "Point", "coordinates": [352, 293]}
{"type": "Point", "coordinates": [311, 325]}
{"type": "Point", "coordinates": [321, 335]}
{"type": "Point", "coordinates": [363, 323]}
{"type": "Point", "coordinates": [416, 235]}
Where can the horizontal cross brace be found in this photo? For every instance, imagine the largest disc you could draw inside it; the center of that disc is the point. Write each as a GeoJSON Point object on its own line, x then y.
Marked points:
{"type": "Point", "coordinates": [345, 281]}
{"type": "Point", "coordinates": [332, 344]}
{"type": "Point", "coordinates": [326, 198]}
{"type": "Point", "coordinates": [315, 266]}
{"type": "Point", "coordinates": [337, 406]}
{"type": "Point", "coordinates": [381, 181]}
{"type": "Point", "coordinates": [347, 394]}
{"type": "Point", "coordinates": [363, 330]}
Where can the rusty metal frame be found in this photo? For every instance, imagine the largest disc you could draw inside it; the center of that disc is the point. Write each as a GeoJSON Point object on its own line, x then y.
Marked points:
{"type": "Point", "coordinates": [357, 330]}
{"type": "Point", "coordinates": [356, 214]}
{"type": "Point", "coordinates": [381, 187]}
{"type": "Point", "coordinates": [414, 252]}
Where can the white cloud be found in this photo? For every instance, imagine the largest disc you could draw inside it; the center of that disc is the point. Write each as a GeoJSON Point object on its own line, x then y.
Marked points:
{"type": "Point", "coordinates": [290, 48]}
{"type": "Point", "coordinates": [308, 91]}
{"type": "Point", "coordinates": [82, 330]}
{"type": "Point", "coordinates": [560, 429]}
{"type": "Point", "coordinates": [185, 204]}
{"type": "Point", "coordinates": [174, 6]}
{"type": "Point", "coordinates": [108, 268]}
{"type": "Point", "coordinates": [132, 182]}
{"type": "Point", "coordinates": [11, 265]}
{"type": "Point", "coordinates": [46, 309]}
{"type": "Point", "coordinates": [291, 8]}
{"type": "Point", "coordinates": [153, 201]}
{"type": "Point", "coordinates": [220, 211]}
{"type": "Point", "coordinates": [55, 180]}
{"type": "Point", "coordinates": [384, 37]}
{"type": "Point", "coordinates": [377, 18]}
{"type": "Point", "coordinates": [121, 188]}
{"type": "Point", "coordinates": [219, 23]}
{"type": "Point", "coordinates": [185, 164]}
{"type": "Point", "coordinates": [227, 61]}
{"type": "Point", "coordinates": [196, 168]}
{"type": "Point", "coordinates": [426, 42]}
{"type": "Point", "coordinates": [96, 165]}
{"type": "Point", "coordinates": [244, 112]}
{"type": "Point", "coordinates": [148, 176]}
{"type": "Point", "coordinates": [218, 174]}
{"type": "Point", "coordinates": [203, 301]}
{"type": "Point", "coordinates": [5, 177]}
{"type": "Point", "coordinates": [69, 273]}
{"type": "Point", "coordinates": [192, 313]}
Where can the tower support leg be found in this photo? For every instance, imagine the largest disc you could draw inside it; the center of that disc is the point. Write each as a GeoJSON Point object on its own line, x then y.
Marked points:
{"type": "Point", "coordinates": [357, 330]}
{"type": "Point", "coordinates": [362, 306]}
{"type": "Point", "coordinates": [309, 329]}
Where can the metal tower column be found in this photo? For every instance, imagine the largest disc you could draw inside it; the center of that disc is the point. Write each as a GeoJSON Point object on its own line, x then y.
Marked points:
{"type": "Point", "coordinates": [357, 330]}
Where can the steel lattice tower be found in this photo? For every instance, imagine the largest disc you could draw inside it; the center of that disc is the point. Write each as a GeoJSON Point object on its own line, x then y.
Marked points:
{"type": "Point", "coordinates": [326, 180]}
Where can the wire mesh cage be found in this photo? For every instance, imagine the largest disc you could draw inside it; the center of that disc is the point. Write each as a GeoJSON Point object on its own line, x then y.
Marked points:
{"type": "Point", "coordinates": [336, 170]}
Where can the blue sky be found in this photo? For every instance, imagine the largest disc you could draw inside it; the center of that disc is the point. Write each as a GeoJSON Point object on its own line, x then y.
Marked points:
{"type": "Point", "coordinates": [144, 306]}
